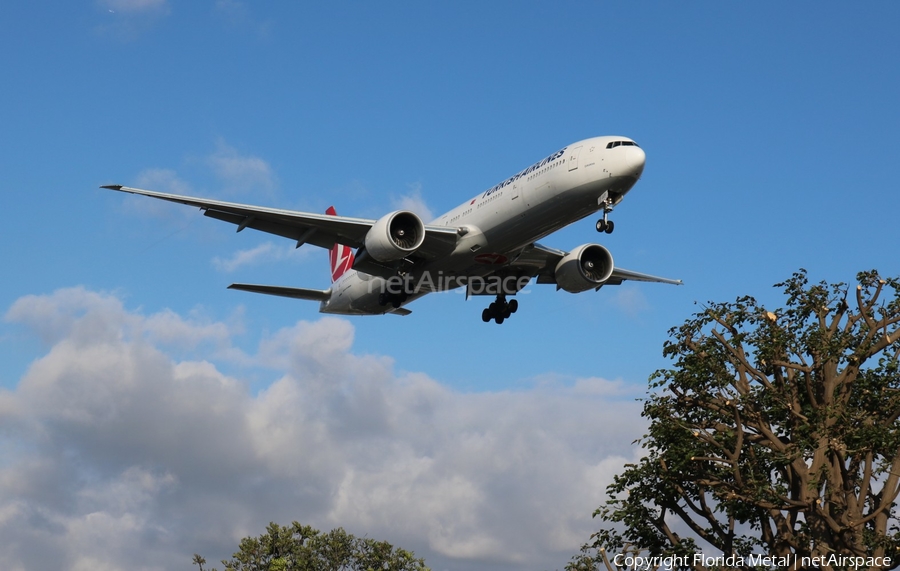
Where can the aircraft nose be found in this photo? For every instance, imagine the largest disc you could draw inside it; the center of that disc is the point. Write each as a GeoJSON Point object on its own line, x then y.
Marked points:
{"type": "Point", "coordinates": [634, 161]}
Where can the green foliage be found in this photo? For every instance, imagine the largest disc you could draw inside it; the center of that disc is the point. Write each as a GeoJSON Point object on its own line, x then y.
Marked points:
{"type": "Point", "coordinates": [301, 548]}
{"type": "Point", "coordinates": [775, 432]}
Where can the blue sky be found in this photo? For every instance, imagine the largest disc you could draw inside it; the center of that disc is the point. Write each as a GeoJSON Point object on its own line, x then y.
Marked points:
{"type": "Point", "coordinates": [770, 133]}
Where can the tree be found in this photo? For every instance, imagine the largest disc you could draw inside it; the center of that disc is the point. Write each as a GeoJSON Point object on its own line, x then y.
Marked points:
{"type": "Point", "coordinates": [301, 548]}
{"type": "Point", "coordinates": [776, 432]}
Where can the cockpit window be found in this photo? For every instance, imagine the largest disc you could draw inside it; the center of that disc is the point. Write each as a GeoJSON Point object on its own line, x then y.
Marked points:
{"type": "Point", "coordinates": [615, 144]}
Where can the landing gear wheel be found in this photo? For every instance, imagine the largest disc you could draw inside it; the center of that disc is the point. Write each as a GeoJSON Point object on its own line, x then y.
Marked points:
{"type": "Point", "coordinates": [605, 224]}
{"type": "Point", "coordinates": [499, 310]}
{"type": "Point", "coordinates": [395, 300]}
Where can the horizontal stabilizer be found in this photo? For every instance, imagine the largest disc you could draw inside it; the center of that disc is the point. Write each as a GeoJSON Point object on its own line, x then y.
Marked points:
{"type": "Point", "coordinates": [294, 292]}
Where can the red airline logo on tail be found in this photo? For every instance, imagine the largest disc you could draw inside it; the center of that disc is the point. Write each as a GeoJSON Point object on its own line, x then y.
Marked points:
{"type": "Point", "coordinates": [341, 256]}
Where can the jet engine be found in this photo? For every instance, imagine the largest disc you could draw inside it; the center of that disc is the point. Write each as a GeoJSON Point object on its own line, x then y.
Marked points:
{"type": "Point", "coordinates": [394, 236]}
{"type": "Point", "coordinates": [584, 268]}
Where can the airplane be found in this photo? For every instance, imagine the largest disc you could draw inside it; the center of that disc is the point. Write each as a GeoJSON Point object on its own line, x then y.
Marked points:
{"type": "Point", "coordinates": [487, 244]}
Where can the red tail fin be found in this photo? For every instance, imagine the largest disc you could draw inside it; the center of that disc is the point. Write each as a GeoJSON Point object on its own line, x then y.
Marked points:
{"type": "Point", "coordinates": [341, 256]}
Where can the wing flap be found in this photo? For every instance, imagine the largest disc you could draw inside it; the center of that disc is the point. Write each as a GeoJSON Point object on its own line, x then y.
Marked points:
{"type": "Point", "coordinates": [302, 234]}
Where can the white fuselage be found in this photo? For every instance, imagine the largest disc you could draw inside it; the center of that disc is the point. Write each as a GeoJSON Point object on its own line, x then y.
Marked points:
{"type": "Point", "coordinates": [503, 220]}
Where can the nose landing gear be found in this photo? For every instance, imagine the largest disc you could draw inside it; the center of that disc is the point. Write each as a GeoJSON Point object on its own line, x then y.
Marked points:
{"type": "Point", "coordinates": [499, 310]}
{"type": "Point", "coordinates": [605, 224]}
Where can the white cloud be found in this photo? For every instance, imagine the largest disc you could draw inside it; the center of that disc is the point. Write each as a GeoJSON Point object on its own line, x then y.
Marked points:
{"type": "Point", "coordinates": [630, 300]}
{"type": "Point", "coordinates": [238, 174]}
{"type": "Point", "coordinates": [265, 253]}
{"type": "Point", "coordinates": [414, 202]}
{"type": "Point", "coordinates": [117, 452]}
{"type": "Point", "coordinates": [161, 180]}
{"type": "Point", "coordinates": [241, 174]}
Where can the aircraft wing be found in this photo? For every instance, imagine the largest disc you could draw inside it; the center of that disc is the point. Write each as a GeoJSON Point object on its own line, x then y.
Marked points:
{"type": "Point", "coordinates": [541, 261]}
{"type": "Point", "coordinates": [321, 230]}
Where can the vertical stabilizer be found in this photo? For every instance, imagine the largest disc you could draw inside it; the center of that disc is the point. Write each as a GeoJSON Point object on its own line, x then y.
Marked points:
{"type": "Point", "coordinates": [341, 256]}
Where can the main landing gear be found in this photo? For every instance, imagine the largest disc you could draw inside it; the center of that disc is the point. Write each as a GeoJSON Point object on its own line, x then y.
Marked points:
{"type": "Point", "coordinates": [605, 224]}
{"type": "Point", "coordinates": [499, 310]}
{"type": "Point", "coordinates": [395, 300]}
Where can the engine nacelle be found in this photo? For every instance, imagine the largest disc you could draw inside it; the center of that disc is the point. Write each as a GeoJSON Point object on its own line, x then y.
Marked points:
{"type": "Point", "coordinates": [394, 236]}
{"type": "Point", "coordinates": [584, 268]}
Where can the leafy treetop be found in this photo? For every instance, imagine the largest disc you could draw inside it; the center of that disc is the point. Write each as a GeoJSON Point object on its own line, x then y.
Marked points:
{"type": "Point", "coordinates": [302, 548]}
{"type": "Point", "coordinates": [775, 432]}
